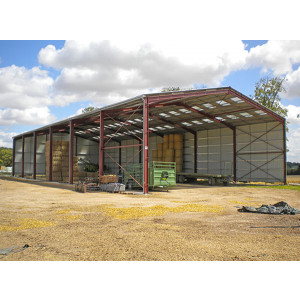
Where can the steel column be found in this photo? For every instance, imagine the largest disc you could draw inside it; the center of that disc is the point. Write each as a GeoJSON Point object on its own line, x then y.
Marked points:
{"type": "Point", "coordinates": [101, 144]}
{"type": "Point", "coordinates": [284, 151]}
{"type": "Point", "coordinates": [34, 154]}
{"type": "Point", "coordinates": [120, 156]}
{"type": "Point", "coordinates": [195, 152]}
{"type": "Point", "coordinates": [50, 152]}
{"type": "Point", "coordinates": [23, 156]}
{"type": "Point", "coordinates": [234, 154]}
{"type": "Point", "coordinates": [145, 145]}
{"type": "Point", "coordinates": [14, 157]}
{"type": "Point", "coordinates": [71, 151]}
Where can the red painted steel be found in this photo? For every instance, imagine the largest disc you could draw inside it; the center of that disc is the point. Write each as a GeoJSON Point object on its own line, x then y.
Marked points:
{"type": "Point", "coordinates": [234, 154]}
{"type": "Point", "coordinates": [14, 157]}
{"type": "Point", "coordinates": [23, 156]}
{"type": "Point", "coordinates": [284, 152]}
{"type": "Point", "coordinates": [101, 144]}
{"type": "Point", "coordinates": [146, 145]}
{"type": "Point", "coordinates": [34, 154]}
{"type": "Point", "coordinates": [195, 152]}
{"type": "Point", "coordinates": [50, 152]}
{"type": "Point", "coordinates": [71, 151]}
{"type": "Point", "coordinates": [125, 146]}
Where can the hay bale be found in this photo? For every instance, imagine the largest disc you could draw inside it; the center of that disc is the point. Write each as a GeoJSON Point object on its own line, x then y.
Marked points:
{"type": "Point", "coordinates": [159, 146]}
{"type": "Point", "coordinates": [166, 139]}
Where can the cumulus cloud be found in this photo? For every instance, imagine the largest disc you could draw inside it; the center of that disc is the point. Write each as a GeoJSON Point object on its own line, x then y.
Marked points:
{"type": "Point", "coordinates": [28, 116]}
{"type": "Point", "coordinates": [6, 138]}
{"type": "Point", "coordinates": [293, 145]}
{"type": "Point", "coordinates": [293, 84]}
{"type": "Point", "coordinates": [278, 56]}
{"type": "Point", "coordinates": [109, 71]}
{"type": "Point", "coordinates": [23, 88]}
{"type": "Point", "coordinates": [293, 112]}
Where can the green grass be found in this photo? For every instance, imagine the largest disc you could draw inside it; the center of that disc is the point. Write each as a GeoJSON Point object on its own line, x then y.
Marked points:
{"type": "Point", "coordinates": [281, 187]}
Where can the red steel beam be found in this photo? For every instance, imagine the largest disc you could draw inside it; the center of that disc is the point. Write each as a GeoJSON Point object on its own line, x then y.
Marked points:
{"type": "Point", "coordinates": [50, 152]}
{"type": "Point", "coordinates": [146, 145]}
{"type": "Point", "coordinates": [23, 156]}
{"type": "Point", "coordinates": [101, 144]}
{"type": "Point", "coordinates": [34, 154]}
{"type": "Point", "coordinates": [125, 146]}
{"type": "Point", "coordinates": [284, 151]}
{"type": "Point", "coordinates": [71, 151]}
{"type": "Point", "coordinates": [14, 157]}
{"type": "Point", "coordinates": [234, 154]}
{"type": "Point", "coordinates": [195, 152]}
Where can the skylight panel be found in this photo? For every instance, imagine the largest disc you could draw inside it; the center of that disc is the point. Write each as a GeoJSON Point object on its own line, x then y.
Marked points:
{"type": "Point", "coordinates": [220, 118]}
{"type": "Point", "coordinates": [209, 105]}
{"type": "Point", "coordinates": [132, 122]}
{"type": "Point", "coordinates": [153, 129]}
{"type": "Point", "coordinates": [246, 115]}
{"type": "Point", "coordinates": [233, 117]}
{"type": "Point", "coordinates": [237, 100]}
{"type": "Point", "coordinates": [208, 120]}
{"type": "Point", "coordinates": [169, 127]}
{"type": "Point", "coordinates": [185, 110]}
{"type": "Point", "coordinates": [186, 123]}
{"type": "Point", "coordinates": [197, 108]}
{"type": "Point", "coordinates": [197, 122]}
{"type": "Point", "coordinates": [222, 103]}
{"type": "Point", "coordinates": [164, 115]}
{"type": "Point", "coordinates": [160, 128]}
{"type": "Point", "coordinates": [175, 113]}
{"type": "Point", "coordinates": [260, 112]}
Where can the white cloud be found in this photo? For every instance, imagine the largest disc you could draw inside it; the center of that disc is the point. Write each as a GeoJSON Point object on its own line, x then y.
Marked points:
{"type": "Point", "coordinates": [105, 72]}
{"type": "Point", "coordinates": [6, 138]}
{"type": "Point", "coordinates": [278, 56]}
{"type": "Point", "coordinates": [293, 84]}
{"type": "Point", "coordinates": [23, 88]}
{"type": "Point", "coordinates": [293, 111]}
{"type": "Point", "coordinates": [28, 116]}
{"type": "Point", "coordinates": [293, 145]}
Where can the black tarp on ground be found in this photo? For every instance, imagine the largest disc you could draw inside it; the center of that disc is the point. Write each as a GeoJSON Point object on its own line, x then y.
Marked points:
{"type": "Point", "coordinates": [280, 208]}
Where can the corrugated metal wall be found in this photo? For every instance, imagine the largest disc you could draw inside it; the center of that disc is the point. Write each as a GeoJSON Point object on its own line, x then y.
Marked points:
{"type": "Point", "coordinates": [255, 160]}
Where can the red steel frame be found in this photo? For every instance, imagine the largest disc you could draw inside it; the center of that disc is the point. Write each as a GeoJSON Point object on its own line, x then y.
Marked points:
{"type": "Point", "coordinates": [50, 152]}
{"type": "Point", "coordinates": [23, 156]}
{"type": "Point", "coordinates": [34, 154]}
{"type": "Point", "coordinates": [149, 101]}
{"type": "Point", "coordinates": [71, 151]}
{"type": "Point", "coordinates": [14, 156]}
{"type": "Point", "coordinates": [146, 145]}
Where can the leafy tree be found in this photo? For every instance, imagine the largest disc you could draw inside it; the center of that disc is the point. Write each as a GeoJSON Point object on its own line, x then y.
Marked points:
{"type": "Point", "coordinates": [6, 156]}
{"type": "Point", "coordinates": [170, 89]}
{"type": "Point", "coordinates": [88, 109]}
{"type": "Point", "coordinates": [267, 93]}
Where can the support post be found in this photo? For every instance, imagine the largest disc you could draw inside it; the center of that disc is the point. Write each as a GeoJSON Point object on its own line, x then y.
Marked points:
{"type": "Point", "coordinates": [284, 152]}
{"type": "Point", "coordinates": [145, 145]}
{"type": "Point", "coordinates": [101, 144]}
{"type": "Point", "coordinates": [234, 154]}
{"type": "Point", "coordinates": [34, 155]}
{"type": "Point", "coordinates": [50, 152]}
{"type": "Point", "coordinates": [120, 157]}
{"type": "Point", "coordinates": [195, 152]}
{"type": "Point", "coordinates": [23, 156]}
{"type": "Point", "coordinates": [14, 157]}
{"type": "Point", "coordinates": [71, 151]}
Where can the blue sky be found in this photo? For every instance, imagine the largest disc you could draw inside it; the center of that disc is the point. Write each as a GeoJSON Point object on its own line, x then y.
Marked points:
{"type": "Point", "coordinates": [46, 81]}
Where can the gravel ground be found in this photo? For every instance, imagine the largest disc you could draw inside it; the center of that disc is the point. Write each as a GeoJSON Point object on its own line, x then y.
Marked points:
{"type": "Point", "coordinates": [190, 222]}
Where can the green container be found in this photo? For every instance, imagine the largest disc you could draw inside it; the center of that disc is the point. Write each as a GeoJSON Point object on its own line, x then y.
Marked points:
{"type": "Point", "coordinates": [161, 174]}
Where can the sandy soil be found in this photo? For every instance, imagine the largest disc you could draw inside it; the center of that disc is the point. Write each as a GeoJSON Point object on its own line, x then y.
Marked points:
{"type": "Point", "coordinates": [190, 222]}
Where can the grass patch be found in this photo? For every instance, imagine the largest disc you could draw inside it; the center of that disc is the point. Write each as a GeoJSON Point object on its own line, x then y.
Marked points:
{"type": "Point", "coordinates": [27, 224]}
{"type": "Point", "coordinates": [125, 213]}
{"type": "Point", "coordinates": [281, 187]}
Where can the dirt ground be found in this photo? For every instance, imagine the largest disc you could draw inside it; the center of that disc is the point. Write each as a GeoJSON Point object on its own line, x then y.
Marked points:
{"type": "Point", "coordinates": [190, 222]}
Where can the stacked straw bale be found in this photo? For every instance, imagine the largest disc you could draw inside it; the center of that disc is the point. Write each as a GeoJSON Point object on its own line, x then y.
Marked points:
{"type": "Point", "coordinates": [60, 162]}
{"type": "Point", "coordinates": [171, 150]}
